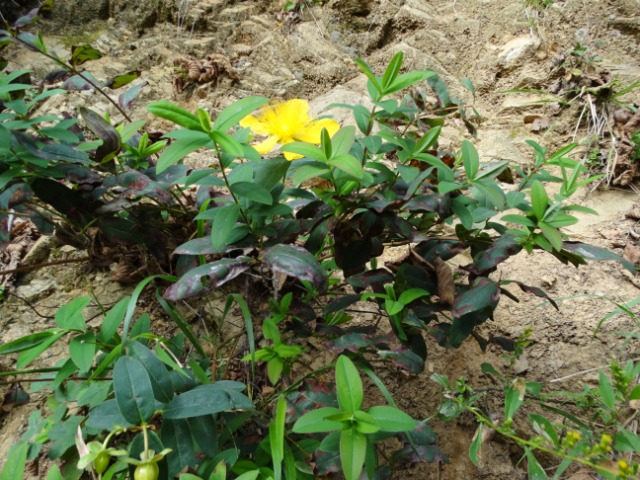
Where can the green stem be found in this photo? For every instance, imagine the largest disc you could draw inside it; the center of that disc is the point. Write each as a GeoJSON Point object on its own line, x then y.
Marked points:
{"type": "Point", "coordinates": [482, 419]}
{"type": "Point", "coordinates": [27, 372]}
{"type": "Point", "coordinates": [75, 71]}
{"type": "Point", "coordinates": [226, 182]}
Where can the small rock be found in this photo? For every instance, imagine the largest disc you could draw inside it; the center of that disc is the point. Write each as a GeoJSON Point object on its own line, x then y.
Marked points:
{"type": "Point", "coordinates": [518, 49]}
{"type": "Point", "coordinates": [521, 365]}
{"type": "Point", "coordinates": [36, 289]}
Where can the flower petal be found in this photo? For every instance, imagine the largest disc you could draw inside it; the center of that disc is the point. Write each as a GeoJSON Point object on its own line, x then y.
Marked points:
{"type": "Point", "coordinates": [267, 145]}
{"type": "Point", "coordinates": [291, 156]}
{"type": "Point", "coordinates": [311, 134]}
{"type": "Point", "coordinates": [256, 125]}
{"type": "Point", "coordinates": [293, 112]}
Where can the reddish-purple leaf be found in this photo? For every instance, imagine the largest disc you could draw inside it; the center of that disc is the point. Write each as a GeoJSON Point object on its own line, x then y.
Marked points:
{"type": "Point", "coordinates": [126, 99]}
{"type": "Point", "coordinates": [218, 273]}
{"type": "Point", "coordinates": [296, 262]}
{"type": "Point", "coordinates": [538, 292]}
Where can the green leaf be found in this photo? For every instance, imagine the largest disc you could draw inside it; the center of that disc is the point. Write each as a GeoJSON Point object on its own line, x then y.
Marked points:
{"type": "Point", "coordinates": [237, 111]}
{"type": "Point", "coordinates": [518, 220]}
{"type": "Point", "coordinates": [106, 416]}
{"type": "Point", "coordinates": [250, 475]}
{"type": "Point", "coordinates": [316, 421]}
{"type": "Point", "coordinates": [82, 349]}
{"type": "Point", "coordinates": [348, 385]}
{"type": "Point", "coordinates": [365, 423]}
{"type": "Point", "coordinates": [133, 390]}
{"type": "Point", "coordinates": [83, 53]}
{"type": "Point", "coordinates": [325, 143]}
{"type": "Point", "coordinates": [493, 169]}
{"type": "Point", "coordinates": [223, 224]}
{"type": "Point", "coordinates": [494, 195]}
{"type": "Point", "coordinates": [562, 220]}
{"type": "Point", "coordinates": [70, 316]}
{"type": "Point", "coordinates": [446, 187]}
{"type": "Point", "coordinates": [407, 79]}
{"type": "Point", "coordinates": [342, 140]}
{"type": "Point", "coordinates": [544, 428]}
{"type": "Point", "coordinates": [112, 320]}
{"type": "Point", "coordinates": [607, 394]}
{"type": "Point", "coordinates": [348, 164]}
{"type": "Point", "coordinates": [474, 450]}
{"type": "Point", "coordinates": [274, 369]}
{"type": "Point", "coordinates": [229, 144]}
{"type": "Point", "coordinates": [411, 294]}
{"type": "Point", "coordinates": [470, 159]}
{"type": "Point", "coordinates": [466, 83]}
{"type": "Point", "coordinates": [27, 356]}
{"type": "Point", "coordinates": [391, 419]}
{"type": "Point", "coordinates": [514, 398]}
{"type": "Point", "coordinates": [54, 474]}
{"type": "Point", "coordinates": [16, 460]}
{"type": "Point", "coordinates": [428, 140]}
{"type": "Point", "coordinates": [392, 71]}
{"type": "Point", "coordinates": [552, 234]}
{"type": "Point", "coordinates": [27, 342]}
{"type": "Point", "coordinates": [123, 79]}
{"type": "Point", "coordinates": [534, 469]}
{"type": "Point", "coordinates": [306, 150]}
{"type": "Point", "coordinates": [370, 75]}
{"type": "Point", "coordinates": [276, 437]}
{"type": "Point", "coordinates": [462, 212]}
{"type": "Point", "coordinates": [253, 192]}
{"type": "Point", "coordinates": [539, 199]}
{"type": "Point", "coordinates": [393, 307]}
{"type": "Point", "coordinates": [635, 393]}
{"type": "Point", "coordinates": [307, 172]}
{"type": "Point", "coordinates": [176, 435]}
{"type": "Point", "coordinates": [207, 399]}
{"type": "Point", "coordinates": [626, 441]}
{"type": "Point", "coordinates": [158, 373]}
{"type": "Point", "coordinates": [182, 147]}
{"type": "Point", "coordinates": [174, 113]}
{"type": "Point", "coordinates": [353, 449]}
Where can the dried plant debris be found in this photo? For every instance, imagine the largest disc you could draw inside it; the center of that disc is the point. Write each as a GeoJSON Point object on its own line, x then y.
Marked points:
{"type": "Point", "coordinates": [625, 169]}
{"type": "Point", "coordinates": [189, 71]}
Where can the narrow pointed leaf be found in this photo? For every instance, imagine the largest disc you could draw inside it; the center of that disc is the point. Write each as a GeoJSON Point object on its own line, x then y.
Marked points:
{"type": "Point", "coordinates": [348, 385]}
{"type": "Point", "coordinates": [237, 111]}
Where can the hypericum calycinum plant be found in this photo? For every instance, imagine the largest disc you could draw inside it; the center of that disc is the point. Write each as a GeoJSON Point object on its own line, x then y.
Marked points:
{"type": "Point", "coordinates": [353, 427]}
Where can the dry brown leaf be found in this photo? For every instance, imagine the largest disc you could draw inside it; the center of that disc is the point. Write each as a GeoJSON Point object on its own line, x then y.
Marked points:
{"type": "Point", "coordinates": [634, 212]}
{"type": "Point", "coordinates": [632, 253]}
{"type": "Point", "coordinates": [446, 287]}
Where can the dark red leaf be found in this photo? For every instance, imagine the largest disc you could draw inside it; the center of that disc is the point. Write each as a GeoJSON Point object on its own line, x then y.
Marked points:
{"type": "Point", "coordinates": [218, 273]}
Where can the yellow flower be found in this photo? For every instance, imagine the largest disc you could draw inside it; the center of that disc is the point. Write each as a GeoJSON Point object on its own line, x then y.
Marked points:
{"type": "Point", "coordinates": [286, 122]}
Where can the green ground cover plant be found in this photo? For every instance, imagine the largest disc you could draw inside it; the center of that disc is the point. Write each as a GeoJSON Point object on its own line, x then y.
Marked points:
{"type": "Point", "coordinates": [305, 206]}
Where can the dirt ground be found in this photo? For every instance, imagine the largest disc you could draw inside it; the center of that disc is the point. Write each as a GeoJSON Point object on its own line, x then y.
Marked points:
{"type": "Point", "coordinates": [500, 45]}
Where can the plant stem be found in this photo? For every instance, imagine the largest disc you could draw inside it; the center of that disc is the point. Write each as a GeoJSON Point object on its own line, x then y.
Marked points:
{"type": "Point", "coordinates": [482, 419]}
{"type": "Point", "coordinates": [226, 182]}
{"type": "Point", "coordinates": [46, 264]}
{"type": "Point", "coordinates": [75, 71]}
{"type": "Point", "coordinates": [26, 372]}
